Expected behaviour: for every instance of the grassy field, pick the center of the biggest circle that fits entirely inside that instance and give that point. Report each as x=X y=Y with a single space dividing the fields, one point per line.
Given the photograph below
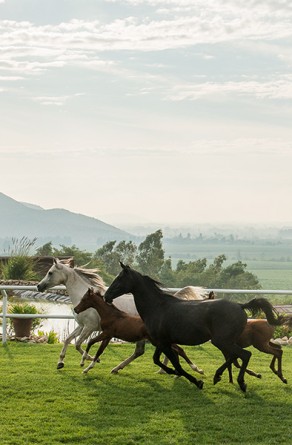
x=40 y=405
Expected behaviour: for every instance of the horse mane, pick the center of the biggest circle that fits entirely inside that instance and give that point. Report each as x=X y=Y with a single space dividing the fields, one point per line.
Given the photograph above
x=153 y=282
x=157 y=286
x=89 y=275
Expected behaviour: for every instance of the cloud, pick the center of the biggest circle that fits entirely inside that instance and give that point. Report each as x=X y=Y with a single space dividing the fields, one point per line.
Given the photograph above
x=264 y=147
x=205 y=22
x=278 y=88
x=256 y=27
x=90 y=44
x=55 y=100
x=10 y=78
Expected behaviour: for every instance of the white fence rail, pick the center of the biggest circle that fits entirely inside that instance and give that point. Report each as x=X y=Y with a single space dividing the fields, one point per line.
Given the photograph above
x=4 y=315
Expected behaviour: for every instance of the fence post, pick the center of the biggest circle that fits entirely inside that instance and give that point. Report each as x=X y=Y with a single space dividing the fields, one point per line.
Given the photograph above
x=4 y=319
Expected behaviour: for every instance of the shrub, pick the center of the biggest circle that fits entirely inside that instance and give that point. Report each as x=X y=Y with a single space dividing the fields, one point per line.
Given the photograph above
x=52 y=336
x=26 y=308
x=20 y=266
x=282 y=331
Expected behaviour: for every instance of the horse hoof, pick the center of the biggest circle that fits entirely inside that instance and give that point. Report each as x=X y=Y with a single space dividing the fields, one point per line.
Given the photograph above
x=216 y=379
x=81 y=364
x=200 y=384
x=259 y=376
x=285 y=381
x=114 y=371
x=60 y=365
x=243 y=387
x=198 y=370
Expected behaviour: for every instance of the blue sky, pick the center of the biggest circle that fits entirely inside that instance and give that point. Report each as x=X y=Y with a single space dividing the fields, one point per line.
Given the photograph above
x=160 y=111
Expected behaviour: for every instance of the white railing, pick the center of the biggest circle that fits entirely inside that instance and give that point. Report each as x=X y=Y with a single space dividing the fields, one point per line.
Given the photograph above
x=4 y=315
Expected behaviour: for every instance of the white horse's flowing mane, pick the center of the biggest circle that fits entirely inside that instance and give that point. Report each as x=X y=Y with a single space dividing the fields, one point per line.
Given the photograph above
x=89 y=275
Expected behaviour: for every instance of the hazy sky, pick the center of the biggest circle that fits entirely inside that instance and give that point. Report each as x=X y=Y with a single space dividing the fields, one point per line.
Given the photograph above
x=164 y=110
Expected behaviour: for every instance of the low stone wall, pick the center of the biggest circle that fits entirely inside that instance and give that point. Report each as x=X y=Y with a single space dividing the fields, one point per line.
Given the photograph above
x=31 y=339
x=285 y=341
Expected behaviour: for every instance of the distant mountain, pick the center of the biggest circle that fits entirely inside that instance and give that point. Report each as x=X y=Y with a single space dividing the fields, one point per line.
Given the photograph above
x=57 y=225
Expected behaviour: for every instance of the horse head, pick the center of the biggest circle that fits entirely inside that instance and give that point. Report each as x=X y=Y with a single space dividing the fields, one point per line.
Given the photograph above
x=56 y=275
x=122 y=284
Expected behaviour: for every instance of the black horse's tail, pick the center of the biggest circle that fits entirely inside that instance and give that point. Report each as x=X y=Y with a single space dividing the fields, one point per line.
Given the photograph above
x=257 y=305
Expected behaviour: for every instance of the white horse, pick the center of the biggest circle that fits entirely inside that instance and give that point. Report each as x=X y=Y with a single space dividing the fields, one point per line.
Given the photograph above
x=77 y=281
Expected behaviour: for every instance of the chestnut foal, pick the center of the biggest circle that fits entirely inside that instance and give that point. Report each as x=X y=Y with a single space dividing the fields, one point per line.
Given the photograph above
x=118 y=324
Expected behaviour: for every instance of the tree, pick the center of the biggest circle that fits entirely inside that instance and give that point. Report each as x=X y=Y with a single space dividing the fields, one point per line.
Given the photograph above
x=215 y=276
x=190 y=273
x=211 y=277
x=167 y=275
x=81 y=257
x=126 y=252
x=45 y=250
x=235 y=276
x=150 y=256
x=111 y=255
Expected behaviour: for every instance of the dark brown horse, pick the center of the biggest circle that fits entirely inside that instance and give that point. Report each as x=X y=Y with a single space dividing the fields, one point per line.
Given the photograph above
x=259 y=333
x=118 y=324
x=169 y=320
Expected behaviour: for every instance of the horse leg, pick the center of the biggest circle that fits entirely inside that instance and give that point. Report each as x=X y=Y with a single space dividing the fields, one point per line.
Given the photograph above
x=91 y=342
x=67 y=341
x=105 y=341
x=182 y=354
x=82 y=337
x=248 y=371
x=277 y=354
x=233 y=352
x=139 y=350
x=165 y=361
x=156 y=360
x=173 y=357
x=229 y=367
x=276 y=351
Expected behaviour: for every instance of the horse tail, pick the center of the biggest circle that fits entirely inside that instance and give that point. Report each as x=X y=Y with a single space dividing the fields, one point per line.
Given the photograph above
x=257 y=305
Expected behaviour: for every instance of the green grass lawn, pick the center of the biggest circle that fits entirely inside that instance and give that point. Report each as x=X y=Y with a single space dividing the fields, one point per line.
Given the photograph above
x=41 y=405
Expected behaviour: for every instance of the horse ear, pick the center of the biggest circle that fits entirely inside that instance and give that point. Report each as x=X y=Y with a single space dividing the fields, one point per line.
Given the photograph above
x=57 y=263
x=122 y=265
x=211 y=295
x=71 y=262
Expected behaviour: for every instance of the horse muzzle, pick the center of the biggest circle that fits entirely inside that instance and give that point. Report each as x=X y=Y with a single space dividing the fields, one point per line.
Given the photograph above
x=41 y=288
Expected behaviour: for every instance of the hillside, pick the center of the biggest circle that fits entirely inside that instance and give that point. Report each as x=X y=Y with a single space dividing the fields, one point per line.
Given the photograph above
x=57 y=225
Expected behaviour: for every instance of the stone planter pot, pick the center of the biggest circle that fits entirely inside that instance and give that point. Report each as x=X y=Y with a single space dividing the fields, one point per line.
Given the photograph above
x=22 y=326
